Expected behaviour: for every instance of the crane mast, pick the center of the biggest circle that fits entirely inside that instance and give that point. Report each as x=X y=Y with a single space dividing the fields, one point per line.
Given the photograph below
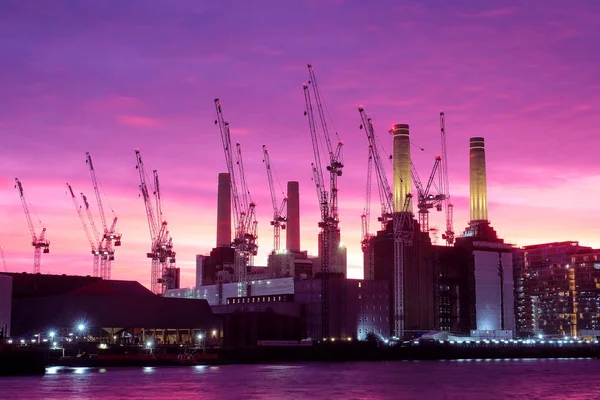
x=244 y=217
x=110 y=237
x=104 y=253
x=279 y=218
x=402 y=223
x=366 y=215
x=386 y=195
x=161 y=250
x=40 y=243
x=328 y=199
x=92 y=241
x=448 y=235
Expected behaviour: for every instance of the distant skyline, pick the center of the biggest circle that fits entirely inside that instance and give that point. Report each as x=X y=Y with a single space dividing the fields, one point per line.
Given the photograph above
x=113 y=76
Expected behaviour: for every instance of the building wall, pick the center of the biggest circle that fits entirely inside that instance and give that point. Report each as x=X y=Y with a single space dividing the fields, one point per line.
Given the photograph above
x=219 y=293
x=559 y=289
x=420 y=282
x=356 y=308
x=488 y=301
x=539 y=278
x=455 y=267
x=5 y=302
x=200 y=265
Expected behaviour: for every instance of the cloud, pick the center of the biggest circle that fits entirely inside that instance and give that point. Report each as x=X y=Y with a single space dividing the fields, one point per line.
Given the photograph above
x=138 y=121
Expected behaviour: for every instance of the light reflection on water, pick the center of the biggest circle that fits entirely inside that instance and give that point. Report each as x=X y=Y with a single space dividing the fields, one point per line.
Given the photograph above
x=459 y=379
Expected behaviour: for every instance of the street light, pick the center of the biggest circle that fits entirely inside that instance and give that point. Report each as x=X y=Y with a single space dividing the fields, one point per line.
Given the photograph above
x=200 y=336
x=81 y=327
x=51 y=334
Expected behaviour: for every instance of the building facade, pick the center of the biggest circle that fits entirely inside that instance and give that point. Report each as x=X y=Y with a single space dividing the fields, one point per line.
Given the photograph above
x=558 y=289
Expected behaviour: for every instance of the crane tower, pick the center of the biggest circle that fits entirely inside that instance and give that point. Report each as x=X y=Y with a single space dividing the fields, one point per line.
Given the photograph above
x=402 y=222
x=279 y=210
x=329 y=236
x=163 y=273
x=448 y=235
x=40 y=243
x=244 y=217
x=110 y=237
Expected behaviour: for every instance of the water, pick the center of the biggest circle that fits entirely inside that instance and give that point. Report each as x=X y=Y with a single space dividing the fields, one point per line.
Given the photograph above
x=461 y=379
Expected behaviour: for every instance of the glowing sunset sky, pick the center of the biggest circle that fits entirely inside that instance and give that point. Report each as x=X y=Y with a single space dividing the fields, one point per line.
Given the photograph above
x=111 y=76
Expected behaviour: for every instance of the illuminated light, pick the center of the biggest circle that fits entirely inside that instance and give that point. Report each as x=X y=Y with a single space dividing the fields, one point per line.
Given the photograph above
x=44 y=340
x=333 y=339
x=36 y=335
x=200 y=336
x=33 y=340
x=54 y=344
x=214 y=332
x=10 y=341
x=148 y=344
x=81 y=327
x=349 y=339
x=51 y=334
x=540 y=336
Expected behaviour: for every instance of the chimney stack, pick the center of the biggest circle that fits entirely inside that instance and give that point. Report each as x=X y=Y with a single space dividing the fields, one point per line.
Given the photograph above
x=402 y=177
x=478 y=184
x=292 y=241
x=224 y=211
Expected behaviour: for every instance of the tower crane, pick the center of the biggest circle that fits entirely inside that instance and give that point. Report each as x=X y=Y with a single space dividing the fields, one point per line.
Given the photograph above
x=402 y=223
x=328 y=199
x=366 y=215
x=3 y=259
x=244 y=217
x=92 y=241
x=426 y=200
x=40 y=243
x=448 y=235
x=386 y=195
x=279 y=211
x=110 y=236
x=105 y=254
x=162 y=273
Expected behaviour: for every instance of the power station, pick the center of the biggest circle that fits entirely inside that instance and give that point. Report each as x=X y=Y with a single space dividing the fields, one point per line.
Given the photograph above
x=474 y=284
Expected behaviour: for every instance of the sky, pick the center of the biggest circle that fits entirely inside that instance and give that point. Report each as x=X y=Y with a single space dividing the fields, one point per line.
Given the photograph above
x=114 y=76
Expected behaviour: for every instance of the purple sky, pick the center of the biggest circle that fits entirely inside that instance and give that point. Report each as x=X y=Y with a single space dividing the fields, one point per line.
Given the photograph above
x=112 y=76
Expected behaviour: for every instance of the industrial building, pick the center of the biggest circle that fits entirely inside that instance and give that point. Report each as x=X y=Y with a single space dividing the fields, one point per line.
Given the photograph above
x=107 y=310
x=558 y=289
x=493 y=264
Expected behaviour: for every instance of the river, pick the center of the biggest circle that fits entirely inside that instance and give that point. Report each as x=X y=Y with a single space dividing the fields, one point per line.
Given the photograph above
x=459 y=379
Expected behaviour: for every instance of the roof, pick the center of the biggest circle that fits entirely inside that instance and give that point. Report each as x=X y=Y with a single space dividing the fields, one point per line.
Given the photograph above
x=102 y=304
x=29 y=285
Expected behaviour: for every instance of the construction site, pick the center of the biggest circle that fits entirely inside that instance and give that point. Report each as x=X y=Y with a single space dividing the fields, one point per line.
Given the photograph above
x=473 y=285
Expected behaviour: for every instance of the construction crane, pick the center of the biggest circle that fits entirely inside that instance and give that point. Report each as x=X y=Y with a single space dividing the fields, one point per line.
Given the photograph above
x=92 y=241
x=427 y=200
x=40 y=243
x=402 y=223
x=105 y=254
x=279 y=210
x=386 y=195
x=162 y=273
x=328 y=199
x=110 y=236
x=3 y=259
x=448 y=235
x=366 y=215
x=244 y=217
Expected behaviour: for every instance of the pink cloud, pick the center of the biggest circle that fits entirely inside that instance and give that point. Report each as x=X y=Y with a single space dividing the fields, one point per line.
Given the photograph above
x=138 y=121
